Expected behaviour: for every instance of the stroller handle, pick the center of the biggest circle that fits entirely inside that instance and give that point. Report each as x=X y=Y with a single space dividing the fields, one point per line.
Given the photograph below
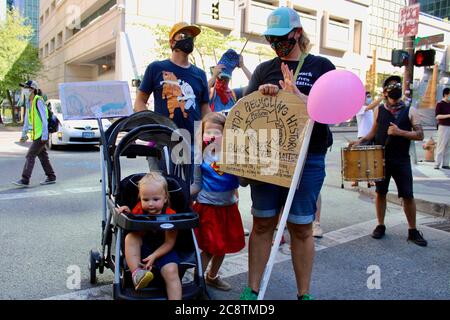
x=161 y=222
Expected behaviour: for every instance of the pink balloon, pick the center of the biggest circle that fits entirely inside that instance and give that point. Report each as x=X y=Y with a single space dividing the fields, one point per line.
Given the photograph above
x=335 y=97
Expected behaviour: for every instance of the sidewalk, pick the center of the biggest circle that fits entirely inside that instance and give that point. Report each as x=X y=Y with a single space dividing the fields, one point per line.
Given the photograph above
x=431 y=186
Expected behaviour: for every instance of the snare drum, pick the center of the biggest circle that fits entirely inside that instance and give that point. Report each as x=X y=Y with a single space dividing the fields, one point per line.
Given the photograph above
x=363 y=163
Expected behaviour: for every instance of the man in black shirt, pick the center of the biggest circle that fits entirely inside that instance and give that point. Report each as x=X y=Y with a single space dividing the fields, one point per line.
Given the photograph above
x=291 y=44
x=395 y=125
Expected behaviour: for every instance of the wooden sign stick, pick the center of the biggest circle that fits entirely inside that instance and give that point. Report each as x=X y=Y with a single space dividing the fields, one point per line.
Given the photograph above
x=287 y=207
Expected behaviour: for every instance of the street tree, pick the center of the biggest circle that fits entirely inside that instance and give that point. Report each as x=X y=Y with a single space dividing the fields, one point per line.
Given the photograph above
x=19 y=60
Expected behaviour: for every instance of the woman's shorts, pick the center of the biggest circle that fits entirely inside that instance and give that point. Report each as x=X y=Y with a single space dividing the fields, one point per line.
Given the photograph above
x=268 y=199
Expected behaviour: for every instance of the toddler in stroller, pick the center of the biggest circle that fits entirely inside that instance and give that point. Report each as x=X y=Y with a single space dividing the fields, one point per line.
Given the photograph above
x=156 y=246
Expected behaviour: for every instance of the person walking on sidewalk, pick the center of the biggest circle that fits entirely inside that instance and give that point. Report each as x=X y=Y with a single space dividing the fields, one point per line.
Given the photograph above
x=37 y=119
x=293 y=70
x=443 y=118
x=395 y=125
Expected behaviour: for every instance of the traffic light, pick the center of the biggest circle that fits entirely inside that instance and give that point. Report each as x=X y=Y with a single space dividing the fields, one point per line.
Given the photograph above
x=424 y=58
x=399 y=58
x=215 y=10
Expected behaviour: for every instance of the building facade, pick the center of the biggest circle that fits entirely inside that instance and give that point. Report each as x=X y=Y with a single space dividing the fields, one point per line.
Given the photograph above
x=3 y=8
x=437 y=8
x=29 y=9
x=96 y=40
x=111 y=40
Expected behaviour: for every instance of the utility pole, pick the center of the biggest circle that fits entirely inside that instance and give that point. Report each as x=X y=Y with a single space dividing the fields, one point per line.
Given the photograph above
x=408 y=45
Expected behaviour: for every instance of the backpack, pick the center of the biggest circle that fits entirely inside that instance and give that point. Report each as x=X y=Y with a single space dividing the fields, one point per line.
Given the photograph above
x=52 y=121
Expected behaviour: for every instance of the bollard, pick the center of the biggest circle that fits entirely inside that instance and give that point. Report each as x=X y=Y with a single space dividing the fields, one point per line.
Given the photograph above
x=429 y=148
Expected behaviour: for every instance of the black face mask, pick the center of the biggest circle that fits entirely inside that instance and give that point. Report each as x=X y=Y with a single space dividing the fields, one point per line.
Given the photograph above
x=185 y=45
x=284 y=47
x=395 y=93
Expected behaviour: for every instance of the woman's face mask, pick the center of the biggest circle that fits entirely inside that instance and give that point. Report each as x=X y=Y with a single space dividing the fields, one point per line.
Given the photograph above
x=282 y=45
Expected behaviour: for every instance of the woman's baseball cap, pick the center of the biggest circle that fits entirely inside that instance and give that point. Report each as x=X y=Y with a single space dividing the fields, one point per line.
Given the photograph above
x=183 y=26
x=282 y=21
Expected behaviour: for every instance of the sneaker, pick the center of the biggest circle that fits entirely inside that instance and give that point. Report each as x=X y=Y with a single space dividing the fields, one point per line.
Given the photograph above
x=48 y=181
x=217 y=283
x=141 y=278
x=248 y=294
x=21 y=183
x=379 y=231
x=436 y=167
x=317 y=230
x=305 y=297
x=445 y=167
x=416 y=236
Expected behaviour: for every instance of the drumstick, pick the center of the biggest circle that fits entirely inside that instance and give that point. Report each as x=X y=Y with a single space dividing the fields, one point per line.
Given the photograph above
x=245 y=44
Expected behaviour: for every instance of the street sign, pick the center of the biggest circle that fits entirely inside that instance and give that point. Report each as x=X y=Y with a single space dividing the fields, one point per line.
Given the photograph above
x=425 y=41
x=409 y=21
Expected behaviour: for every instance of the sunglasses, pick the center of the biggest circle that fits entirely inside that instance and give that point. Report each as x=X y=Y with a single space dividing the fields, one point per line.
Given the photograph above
x=272 y=39
x=183 y=36
x=393 y=86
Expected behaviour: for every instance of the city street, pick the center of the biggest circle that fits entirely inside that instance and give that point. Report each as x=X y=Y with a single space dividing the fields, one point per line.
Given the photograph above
x=48 y=230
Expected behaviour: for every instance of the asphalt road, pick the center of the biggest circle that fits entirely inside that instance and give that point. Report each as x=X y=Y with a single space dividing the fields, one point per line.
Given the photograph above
x=46 y=230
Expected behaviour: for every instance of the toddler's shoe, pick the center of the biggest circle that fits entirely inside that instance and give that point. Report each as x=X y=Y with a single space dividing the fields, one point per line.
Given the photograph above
x=141 y=278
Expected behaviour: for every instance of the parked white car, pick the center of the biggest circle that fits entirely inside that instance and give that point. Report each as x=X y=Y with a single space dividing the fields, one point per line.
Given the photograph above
x=72 y=132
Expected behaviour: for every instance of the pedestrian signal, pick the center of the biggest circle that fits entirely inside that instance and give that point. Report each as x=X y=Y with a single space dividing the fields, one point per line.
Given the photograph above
x=215 y=10
x=399 y=58
x=424 y=58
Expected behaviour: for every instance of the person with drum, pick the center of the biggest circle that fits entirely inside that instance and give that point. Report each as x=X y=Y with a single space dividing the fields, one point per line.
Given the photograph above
x=295 y=71
x=395 y=125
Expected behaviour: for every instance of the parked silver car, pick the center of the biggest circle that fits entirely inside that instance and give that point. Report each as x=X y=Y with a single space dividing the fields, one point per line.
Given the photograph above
x=74 y=131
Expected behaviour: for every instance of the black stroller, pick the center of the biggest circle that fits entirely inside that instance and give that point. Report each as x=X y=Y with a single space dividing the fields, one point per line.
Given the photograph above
x=135 y=132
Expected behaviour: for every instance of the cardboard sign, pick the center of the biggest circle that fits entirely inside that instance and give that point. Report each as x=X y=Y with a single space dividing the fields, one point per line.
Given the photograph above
x=409 y=21
x=263 y=136
x=95 y=100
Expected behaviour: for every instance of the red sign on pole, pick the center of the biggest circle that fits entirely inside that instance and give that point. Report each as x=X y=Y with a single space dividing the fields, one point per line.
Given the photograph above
x=409 y=21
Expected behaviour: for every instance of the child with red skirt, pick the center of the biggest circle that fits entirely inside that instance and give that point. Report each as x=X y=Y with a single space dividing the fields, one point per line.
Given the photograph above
x=220 y=228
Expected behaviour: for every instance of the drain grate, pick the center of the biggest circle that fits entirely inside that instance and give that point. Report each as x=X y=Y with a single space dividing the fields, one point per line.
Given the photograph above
x=444 y=226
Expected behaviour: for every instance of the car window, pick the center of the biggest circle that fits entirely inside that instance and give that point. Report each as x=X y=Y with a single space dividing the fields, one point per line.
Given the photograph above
x=57 y=107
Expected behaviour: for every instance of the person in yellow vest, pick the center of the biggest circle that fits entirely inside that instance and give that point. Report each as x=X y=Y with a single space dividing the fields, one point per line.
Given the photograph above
x=38 y=130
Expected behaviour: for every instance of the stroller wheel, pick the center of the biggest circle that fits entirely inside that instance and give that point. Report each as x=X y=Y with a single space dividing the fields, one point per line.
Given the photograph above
x=94 y=258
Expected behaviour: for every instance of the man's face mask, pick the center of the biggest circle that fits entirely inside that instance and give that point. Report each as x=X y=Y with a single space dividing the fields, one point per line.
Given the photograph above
x=185 y=43
x=394 y=91
x=282 y=45
x=27 y=93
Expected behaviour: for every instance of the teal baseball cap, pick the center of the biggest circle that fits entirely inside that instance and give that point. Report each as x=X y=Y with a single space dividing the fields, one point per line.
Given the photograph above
x=282 y=21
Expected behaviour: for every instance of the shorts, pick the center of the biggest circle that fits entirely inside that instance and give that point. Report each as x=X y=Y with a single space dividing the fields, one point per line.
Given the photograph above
x=400 y=170
x=169 y=257
x=268 y=199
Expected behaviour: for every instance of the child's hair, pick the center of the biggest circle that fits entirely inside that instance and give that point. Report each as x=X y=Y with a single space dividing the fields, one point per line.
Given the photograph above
x=154 y=177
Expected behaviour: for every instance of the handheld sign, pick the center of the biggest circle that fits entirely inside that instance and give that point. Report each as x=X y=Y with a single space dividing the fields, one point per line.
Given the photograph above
x=263 y=136
x=95 y=100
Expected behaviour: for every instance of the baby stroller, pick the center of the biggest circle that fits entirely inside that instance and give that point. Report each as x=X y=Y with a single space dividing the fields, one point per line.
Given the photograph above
x=147 y=135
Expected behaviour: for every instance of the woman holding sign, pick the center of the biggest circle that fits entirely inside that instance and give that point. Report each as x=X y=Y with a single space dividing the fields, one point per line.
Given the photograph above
x=291 y=44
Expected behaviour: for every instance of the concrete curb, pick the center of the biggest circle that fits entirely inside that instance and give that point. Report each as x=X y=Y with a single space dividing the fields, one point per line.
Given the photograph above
x=432 y=208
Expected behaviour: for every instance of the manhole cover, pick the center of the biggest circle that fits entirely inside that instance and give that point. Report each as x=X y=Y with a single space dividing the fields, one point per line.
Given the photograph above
x=444 y=226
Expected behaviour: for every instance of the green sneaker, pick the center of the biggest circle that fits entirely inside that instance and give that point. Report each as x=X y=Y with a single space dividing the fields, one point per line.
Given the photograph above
x=248 y=294
x=305 y=297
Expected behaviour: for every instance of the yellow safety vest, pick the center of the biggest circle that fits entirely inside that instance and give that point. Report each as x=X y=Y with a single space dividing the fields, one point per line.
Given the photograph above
x=35 y=120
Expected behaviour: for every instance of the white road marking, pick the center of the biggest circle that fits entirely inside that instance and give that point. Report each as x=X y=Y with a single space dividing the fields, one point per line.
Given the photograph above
x=47 y=193
x=238 y=263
